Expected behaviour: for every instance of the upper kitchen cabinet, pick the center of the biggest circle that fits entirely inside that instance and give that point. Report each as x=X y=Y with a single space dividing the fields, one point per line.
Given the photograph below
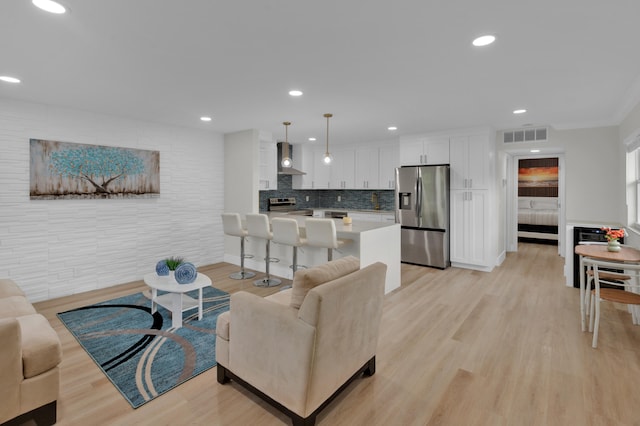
x=268 y=165
x=424 y=150
x=366 y=167
x=321 y=171
x=388 y=162
x=470 y=161
x=304 y=162
x=342 y=168
x=309 y=160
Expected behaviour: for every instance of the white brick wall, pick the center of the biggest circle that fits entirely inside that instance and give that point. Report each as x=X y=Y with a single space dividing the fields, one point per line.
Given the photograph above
x=59 y=247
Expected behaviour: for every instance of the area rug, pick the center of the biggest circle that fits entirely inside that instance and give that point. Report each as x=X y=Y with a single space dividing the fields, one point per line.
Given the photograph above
x=140 y=352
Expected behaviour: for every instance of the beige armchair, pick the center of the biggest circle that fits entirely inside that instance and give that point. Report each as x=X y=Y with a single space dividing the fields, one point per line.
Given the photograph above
x=30 y=354
x=298 y=348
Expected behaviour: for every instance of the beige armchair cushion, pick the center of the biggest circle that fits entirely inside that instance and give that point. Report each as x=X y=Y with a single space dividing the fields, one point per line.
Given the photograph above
x=41 y=350
x=15 y=306
x=9 y=288
x=306 y=279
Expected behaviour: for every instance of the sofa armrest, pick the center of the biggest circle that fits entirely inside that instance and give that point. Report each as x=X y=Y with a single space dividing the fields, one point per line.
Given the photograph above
x=270 y=348
x=10 y=368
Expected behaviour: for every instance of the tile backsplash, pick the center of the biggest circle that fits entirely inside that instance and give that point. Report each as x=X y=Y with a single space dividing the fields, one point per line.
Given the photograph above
x=352 y=199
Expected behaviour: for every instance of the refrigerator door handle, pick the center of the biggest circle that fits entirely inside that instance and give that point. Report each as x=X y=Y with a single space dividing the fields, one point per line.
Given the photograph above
x=419 y=200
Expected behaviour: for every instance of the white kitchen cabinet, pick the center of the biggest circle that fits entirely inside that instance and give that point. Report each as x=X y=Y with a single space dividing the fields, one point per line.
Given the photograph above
x=321 y=171
x=309 y=160
x=387 y=217
x=470 y=162
x=304 y=162
x=469 y=228
x=424 y=150
x=342 y=168
x=364 y=217
x=388 y=161
x=366 y=167
x=372 y=217
x=268 y=165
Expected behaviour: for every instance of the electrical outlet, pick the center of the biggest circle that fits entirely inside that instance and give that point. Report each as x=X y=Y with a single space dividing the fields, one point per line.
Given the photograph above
x=306 y=198
x=339 y=198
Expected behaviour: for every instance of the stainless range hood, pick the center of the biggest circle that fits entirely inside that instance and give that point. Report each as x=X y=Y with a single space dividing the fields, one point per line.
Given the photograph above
x=286 y=170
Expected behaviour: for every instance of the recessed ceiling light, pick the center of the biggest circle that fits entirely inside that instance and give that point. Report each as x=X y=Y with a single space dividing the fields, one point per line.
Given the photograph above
x=295 y=92
x=534 y=151
x=205 y=118
x=50 y=6
x=312 y=139
x=484 y=40
x=8 y=79
x=392 y=128
x=519 y=111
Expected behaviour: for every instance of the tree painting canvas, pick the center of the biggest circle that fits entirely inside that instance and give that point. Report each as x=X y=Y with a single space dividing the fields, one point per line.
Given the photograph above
x=74 y=171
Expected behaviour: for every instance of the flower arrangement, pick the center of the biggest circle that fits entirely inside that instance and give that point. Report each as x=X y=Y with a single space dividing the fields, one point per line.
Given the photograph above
x=613 y=234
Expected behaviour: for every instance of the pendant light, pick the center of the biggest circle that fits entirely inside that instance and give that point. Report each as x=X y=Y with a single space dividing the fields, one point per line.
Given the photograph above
x=327 y=157
x=286 y=160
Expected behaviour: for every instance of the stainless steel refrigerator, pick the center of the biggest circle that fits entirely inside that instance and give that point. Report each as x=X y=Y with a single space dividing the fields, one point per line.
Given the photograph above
x=422 y=208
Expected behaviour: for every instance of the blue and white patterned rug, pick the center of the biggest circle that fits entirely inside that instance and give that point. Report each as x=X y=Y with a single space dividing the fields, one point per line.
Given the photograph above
x=140 y=352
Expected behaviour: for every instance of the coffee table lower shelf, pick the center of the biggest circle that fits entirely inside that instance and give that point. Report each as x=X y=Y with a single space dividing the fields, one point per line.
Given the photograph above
x=175 y=300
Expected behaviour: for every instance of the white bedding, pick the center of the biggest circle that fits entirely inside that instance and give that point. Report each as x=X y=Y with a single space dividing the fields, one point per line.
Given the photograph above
x=538 y=217
x=538 y=211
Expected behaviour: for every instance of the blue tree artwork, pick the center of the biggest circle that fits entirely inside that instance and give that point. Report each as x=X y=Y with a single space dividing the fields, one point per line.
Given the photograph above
x=66 y=170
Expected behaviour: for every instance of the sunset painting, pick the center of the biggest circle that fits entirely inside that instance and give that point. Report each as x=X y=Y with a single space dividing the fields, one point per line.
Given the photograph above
x=538 y=177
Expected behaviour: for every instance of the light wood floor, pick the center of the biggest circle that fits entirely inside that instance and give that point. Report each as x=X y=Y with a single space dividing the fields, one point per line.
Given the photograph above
x=457 y=347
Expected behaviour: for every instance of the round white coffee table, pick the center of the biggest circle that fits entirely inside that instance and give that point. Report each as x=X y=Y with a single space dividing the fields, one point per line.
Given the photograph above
x=175 y=300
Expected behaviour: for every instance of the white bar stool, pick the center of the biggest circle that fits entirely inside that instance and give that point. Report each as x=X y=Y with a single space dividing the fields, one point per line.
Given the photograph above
x=286 y=231
x=322 y=233
x=258 y=227
x=232 y=225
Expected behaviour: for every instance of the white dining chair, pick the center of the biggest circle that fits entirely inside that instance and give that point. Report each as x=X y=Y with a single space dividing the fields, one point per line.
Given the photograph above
x=604 y=275
x=626 y=292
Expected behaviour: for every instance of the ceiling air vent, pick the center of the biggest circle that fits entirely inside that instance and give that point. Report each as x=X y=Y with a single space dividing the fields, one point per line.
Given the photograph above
x=526 y=135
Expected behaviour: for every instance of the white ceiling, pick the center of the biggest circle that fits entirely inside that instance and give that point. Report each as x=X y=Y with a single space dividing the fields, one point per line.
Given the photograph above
x=409 y=63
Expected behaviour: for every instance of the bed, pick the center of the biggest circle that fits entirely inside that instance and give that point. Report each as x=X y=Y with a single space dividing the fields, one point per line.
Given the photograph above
x=538 y=219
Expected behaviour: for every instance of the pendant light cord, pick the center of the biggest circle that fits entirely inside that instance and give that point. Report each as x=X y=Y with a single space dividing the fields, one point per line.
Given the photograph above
x=327 y=145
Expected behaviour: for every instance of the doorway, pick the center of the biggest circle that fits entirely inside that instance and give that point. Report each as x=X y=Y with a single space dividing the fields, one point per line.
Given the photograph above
x=535 y=188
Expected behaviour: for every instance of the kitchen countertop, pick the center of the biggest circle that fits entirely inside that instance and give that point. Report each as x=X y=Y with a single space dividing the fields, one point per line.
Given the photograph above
x=356 y=227
x=340 y=209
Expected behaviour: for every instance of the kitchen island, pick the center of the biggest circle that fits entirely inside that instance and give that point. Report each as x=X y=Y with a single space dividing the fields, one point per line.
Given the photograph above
x=371 y=242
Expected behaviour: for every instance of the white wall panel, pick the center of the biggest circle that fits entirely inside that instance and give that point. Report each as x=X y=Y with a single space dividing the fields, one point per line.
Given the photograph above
x=53 y=248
